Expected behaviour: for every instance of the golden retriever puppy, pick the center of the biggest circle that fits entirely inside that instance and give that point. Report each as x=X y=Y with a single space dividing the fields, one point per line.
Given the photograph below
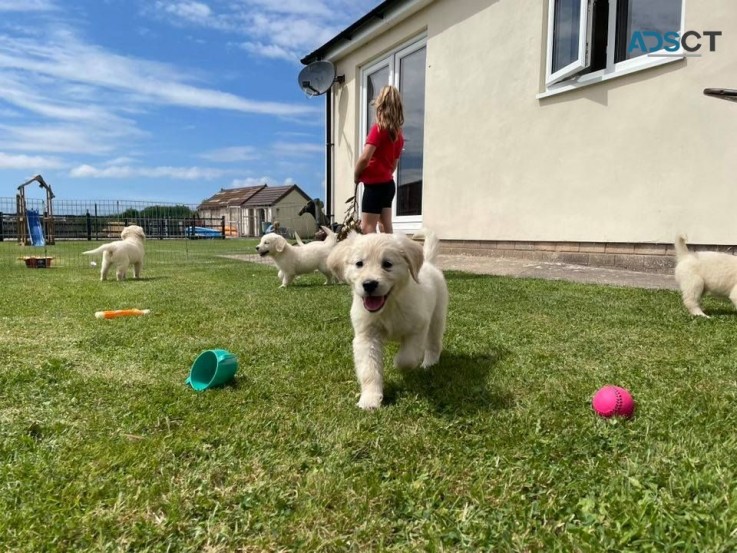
x=123 y=253
x=399 y=295
x=298 y=260
x=701 y=272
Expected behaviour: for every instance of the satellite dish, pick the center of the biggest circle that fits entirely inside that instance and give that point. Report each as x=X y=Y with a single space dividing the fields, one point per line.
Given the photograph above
x=317 y=78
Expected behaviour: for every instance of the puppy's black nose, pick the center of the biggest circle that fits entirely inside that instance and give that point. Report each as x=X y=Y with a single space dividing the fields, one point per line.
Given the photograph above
x=256 y=248
x=370 y=285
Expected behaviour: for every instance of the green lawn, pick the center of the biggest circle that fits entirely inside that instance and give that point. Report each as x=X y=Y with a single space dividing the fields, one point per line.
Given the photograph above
x=103 y=446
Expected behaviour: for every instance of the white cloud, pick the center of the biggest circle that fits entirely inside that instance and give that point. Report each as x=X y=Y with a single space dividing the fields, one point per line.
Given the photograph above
x=26 y=5
x=128 y=172
x=63 y=138
x=191 y=11
x=63 y=57
x=313 y=8
x=271 y=51
x=251 y=181
x=231 y=155
x=35 y=163
x=288 y=29
x=298 y=149
x=122 y=160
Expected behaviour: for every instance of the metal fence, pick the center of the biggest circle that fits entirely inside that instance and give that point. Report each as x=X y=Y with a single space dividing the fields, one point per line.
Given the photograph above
x=73 y=223
x=73 y=220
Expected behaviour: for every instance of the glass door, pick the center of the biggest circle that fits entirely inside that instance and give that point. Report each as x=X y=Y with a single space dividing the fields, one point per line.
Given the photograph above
x=405 y=69
x=411 y=84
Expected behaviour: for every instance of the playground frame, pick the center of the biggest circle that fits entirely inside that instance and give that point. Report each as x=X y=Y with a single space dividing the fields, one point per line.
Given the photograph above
x=25 y=237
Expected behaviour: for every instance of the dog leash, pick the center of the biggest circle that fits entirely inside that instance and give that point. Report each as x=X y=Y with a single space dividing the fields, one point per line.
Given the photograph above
x=351 y=220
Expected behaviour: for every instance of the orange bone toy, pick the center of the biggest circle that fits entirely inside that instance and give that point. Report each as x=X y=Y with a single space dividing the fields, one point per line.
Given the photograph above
x=121 y=313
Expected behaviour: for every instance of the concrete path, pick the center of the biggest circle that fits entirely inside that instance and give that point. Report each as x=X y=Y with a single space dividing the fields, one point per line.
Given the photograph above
x=524 y=268
x=554 y=271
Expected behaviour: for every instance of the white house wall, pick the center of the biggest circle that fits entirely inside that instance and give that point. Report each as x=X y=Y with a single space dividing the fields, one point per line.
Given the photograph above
x=631 y=159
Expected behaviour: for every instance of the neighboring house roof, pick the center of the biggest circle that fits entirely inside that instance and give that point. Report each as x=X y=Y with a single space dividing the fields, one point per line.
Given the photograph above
x=384 y=12
x=230 y=197
x=271 y=195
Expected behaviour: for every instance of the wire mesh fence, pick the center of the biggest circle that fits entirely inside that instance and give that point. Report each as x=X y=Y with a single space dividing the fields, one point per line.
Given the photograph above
x=174 y=232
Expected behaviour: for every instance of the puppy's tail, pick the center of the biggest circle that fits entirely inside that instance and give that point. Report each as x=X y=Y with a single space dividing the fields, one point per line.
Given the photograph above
x=298 y=239
x=101 y=250
x=431 y=247
x=331 y=238
x=681 y=248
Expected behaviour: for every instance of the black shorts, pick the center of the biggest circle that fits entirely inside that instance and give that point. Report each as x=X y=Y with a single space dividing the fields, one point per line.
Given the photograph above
x=377 y=196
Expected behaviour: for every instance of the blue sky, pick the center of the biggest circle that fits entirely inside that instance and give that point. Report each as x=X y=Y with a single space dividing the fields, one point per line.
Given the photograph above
x=162 y=100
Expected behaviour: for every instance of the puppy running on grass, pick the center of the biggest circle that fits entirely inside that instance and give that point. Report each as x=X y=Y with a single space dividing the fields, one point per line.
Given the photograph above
x=701 y=272
x=123 y=253
x=399 y=295
x=298 y=260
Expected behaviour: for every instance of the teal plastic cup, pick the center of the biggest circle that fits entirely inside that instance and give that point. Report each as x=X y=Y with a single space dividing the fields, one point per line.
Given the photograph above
x=212 y=368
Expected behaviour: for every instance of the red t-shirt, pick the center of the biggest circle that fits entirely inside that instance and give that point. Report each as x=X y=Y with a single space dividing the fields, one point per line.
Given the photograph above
x=381 y=165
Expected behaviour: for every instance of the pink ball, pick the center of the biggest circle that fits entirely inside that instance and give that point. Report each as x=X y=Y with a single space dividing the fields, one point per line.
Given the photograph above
x=611 y=401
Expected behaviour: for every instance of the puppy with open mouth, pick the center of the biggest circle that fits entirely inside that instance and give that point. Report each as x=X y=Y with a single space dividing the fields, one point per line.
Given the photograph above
x=398 y=295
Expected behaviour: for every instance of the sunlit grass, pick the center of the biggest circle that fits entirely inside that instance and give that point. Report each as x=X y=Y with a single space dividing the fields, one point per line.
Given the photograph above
x=103 y=446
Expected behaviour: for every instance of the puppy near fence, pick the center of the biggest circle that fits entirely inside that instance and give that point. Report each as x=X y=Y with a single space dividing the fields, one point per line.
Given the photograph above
x=125 y=252
x=398 y=295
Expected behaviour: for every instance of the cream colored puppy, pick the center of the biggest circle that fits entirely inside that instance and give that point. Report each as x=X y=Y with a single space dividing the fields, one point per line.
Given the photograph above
x=701 y=272
x=298 y=260
x=123 y=253
x=399 y=295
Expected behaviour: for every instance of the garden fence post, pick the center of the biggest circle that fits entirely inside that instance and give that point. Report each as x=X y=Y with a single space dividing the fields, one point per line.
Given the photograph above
x=89 y=226
x=2 y=230
x=222 y=225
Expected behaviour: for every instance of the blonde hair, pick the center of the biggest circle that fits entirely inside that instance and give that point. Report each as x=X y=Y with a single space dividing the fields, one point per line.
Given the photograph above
x=389 y=111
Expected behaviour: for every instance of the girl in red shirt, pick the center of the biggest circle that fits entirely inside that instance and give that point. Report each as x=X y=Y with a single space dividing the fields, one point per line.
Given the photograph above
x=377 y=163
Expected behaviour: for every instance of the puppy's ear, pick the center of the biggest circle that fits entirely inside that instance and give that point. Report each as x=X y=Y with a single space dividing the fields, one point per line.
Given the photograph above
x=281 y=243
x=338 y=257
x=412 y=253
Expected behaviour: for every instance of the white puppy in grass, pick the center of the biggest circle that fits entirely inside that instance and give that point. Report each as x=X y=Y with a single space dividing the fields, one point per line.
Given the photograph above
x=398 y=295
x=701 y=272
x=298 y=260
x=123 y=253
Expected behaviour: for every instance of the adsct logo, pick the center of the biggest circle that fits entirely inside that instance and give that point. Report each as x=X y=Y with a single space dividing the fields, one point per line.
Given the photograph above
x=653 y=43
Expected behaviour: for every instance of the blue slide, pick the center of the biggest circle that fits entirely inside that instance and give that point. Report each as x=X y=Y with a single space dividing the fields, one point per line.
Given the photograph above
x=35 y=230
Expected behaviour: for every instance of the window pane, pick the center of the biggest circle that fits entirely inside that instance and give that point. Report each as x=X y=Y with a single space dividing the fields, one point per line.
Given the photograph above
x=566 y=29
x=638 y=16
x=409 y=174
x=374 y=83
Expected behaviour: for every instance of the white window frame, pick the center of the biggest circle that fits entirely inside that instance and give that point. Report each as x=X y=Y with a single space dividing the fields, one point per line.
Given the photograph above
x=584 y=39
x=612 y=70
x=404 y=223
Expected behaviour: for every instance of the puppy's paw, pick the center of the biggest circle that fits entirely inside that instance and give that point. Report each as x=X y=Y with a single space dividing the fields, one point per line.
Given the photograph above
x=370 y=401
x=405 y=362
x=430 y=360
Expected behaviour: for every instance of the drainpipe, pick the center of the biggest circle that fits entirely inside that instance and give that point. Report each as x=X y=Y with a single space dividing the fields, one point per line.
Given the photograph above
x=329 y=154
